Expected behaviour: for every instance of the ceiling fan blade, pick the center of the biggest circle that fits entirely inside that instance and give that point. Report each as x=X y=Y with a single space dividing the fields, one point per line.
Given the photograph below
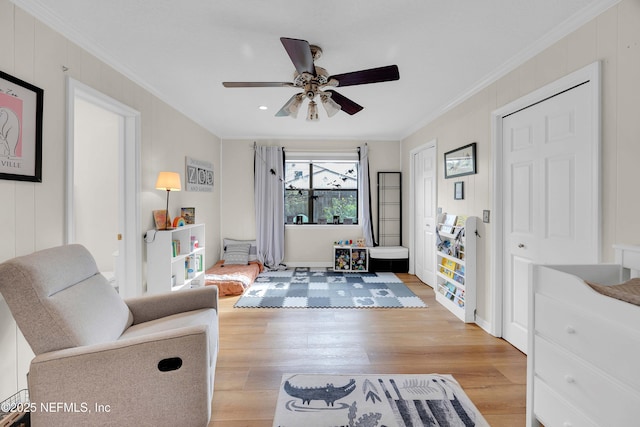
x=347 y=105
x=373 y=75
x=300 y=53
x=257 y=84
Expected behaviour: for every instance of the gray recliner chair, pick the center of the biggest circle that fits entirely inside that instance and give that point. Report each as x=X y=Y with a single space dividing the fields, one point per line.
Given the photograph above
x=101 y=360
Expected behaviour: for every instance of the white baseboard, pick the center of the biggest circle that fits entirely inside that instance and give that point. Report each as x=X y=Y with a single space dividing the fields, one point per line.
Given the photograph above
x=307 y=264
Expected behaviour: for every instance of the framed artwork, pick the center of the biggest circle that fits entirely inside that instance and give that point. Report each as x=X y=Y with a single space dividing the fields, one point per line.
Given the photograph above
x=461 y=161
x=199 y=175
x=458 y=190
x=21 y=106
x=189 y=215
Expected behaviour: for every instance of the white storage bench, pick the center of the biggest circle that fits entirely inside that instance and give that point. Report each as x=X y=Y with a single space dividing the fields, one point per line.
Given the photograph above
x=389 y=258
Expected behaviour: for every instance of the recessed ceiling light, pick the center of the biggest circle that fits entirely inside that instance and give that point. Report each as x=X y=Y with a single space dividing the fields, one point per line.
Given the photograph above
x=262 y=107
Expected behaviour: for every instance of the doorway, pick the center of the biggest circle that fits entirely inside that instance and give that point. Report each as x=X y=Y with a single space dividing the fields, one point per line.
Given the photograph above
x=422 y=206
x=103 y=184
x=547 y=190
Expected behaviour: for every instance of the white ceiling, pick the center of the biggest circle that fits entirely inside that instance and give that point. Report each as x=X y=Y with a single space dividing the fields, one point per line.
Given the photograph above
x=183 y=50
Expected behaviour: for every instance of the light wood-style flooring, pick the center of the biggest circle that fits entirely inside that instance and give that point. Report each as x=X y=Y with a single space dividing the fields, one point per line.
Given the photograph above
x=257 y=346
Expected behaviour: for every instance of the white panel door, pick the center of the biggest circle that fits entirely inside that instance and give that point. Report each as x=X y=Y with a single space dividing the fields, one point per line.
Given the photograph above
x=424 y=166
x=548 y=160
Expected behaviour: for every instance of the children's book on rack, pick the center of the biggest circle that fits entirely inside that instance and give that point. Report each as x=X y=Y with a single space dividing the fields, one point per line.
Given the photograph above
x=448 y=268
x=448 y=223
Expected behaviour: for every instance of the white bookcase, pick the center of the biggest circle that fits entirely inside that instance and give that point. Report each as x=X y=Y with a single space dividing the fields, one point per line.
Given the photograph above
x=456 y=265
x=170 y=256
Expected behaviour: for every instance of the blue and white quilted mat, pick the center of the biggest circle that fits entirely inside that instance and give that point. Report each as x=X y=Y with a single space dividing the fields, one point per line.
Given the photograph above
x=325 y=288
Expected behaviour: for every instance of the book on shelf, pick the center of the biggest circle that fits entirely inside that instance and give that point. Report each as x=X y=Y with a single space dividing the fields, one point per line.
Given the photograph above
x=451 y=291
x=459 y=297
x=459 y=274
x=448 y=267
x=461 y=220
x=175 y=247
x=448 y=223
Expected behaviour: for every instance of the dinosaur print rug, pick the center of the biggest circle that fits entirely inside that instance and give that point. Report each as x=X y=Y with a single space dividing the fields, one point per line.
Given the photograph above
x=318 y=400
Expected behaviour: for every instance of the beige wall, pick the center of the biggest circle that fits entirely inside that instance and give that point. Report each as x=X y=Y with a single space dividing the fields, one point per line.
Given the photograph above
x=612 y=38
x=33 y=214
x=304 y=245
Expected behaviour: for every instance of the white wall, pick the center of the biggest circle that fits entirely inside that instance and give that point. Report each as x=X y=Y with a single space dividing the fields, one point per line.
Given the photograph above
x=304 y=245
x=612 y=38
x=33 y=214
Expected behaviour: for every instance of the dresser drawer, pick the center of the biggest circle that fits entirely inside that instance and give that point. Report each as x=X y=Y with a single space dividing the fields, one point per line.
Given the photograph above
x=596 y=394
x=552 y=410
x=595 y=339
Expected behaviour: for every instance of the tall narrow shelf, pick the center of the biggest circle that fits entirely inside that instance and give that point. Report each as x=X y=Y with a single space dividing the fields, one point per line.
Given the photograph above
x=170 y=255
x=456 y=265
x=390 y=208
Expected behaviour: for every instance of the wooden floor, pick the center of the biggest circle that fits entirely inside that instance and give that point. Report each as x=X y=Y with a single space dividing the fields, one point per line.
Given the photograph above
x=257 y=346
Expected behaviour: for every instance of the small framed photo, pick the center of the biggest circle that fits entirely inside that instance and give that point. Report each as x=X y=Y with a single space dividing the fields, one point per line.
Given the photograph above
x=322 y=220
x=347 y=221
x=458 y=190
x=21 y=105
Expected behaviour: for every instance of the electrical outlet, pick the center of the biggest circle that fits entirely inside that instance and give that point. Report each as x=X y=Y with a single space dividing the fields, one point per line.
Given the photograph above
x=485 y=216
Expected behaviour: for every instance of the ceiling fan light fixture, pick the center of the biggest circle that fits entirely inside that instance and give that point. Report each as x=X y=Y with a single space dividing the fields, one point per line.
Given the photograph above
x=312 y=113
x=331 y=106
x=293 y=105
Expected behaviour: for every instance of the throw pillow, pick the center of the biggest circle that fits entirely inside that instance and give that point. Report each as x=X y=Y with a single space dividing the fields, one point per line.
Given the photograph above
x=253 y=249
x=237 y=254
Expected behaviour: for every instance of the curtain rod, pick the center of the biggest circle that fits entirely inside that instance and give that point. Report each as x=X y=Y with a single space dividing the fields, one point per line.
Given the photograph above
x=322 y=150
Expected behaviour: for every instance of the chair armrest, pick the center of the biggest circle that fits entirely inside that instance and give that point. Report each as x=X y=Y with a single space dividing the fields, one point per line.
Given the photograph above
x=126 y=380
x=153 y=307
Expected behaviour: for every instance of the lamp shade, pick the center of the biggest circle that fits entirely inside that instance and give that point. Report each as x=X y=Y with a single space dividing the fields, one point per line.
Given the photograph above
x=169 y=181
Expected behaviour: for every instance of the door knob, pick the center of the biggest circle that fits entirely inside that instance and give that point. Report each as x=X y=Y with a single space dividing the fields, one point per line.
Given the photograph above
x=521 y=245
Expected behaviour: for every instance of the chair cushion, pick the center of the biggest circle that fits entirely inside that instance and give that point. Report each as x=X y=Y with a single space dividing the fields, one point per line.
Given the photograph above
x=60 y=300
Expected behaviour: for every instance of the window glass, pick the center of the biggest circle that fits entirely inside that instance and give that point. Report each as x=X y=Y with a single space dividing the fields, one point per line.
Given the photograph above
x=319 y=192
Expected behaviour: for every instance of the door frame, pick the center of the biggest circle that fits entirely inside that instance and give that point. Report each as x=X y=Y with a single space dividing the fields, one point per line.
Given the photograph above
x=592 y=73
x=129 y=184
x=412 y=217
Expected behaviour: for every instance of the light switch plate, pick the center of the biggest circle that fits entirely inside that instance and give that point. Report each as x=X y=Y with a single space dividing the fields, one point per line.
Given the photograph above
x=485 y=216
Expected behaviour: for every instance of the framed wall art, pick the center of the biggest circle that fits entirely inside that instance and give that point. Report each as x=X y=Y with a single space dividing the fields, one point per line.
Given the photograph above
x=461 y=161
x=21 y=105
x=458 y=190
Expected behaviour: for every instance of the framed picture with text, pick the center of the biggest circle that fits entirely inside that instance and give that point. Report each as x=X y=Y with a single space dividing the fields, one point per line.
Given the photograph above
x=21 y=105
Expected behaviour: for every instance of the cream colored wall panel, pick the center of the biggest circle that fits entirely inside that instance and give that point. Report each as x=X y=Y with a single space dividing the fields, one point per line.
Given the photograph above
x=582 y=46
x=507 y=88
x=627 y=225
x=7 y=36
x=24 y=46
x=25 y=233
x=608 y=54
x=551 y=64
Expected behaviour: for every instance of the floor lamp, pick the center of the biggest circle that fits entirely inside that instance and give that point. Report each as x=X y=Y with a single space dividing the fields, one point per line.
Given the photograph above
x=169 y=181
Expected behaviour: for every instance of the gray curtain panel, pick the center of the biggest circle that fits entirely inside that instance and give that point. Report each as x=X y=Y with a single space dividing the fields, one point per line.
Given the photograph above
x=269 y=201
x=365 y=195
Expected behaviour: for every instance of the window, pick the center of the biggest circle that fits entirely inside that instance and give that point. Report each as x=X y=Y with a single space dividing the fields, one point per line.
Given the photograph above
x=321 y=191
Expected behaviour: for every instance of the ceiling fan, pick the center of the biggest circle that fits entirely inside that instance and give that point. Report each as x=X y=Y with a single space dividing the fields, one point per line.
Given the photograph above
x=314 y=80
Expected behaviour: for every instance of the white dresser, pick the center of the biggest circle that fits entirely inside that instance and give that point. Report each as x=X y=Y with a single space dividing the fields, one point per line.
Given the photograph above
x=584 y=350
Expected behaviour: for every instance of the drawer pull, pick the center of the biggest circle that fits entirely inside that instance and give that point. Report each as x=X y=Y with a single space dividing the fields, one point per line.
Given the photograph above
x=570 y=329
x=569 y=379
